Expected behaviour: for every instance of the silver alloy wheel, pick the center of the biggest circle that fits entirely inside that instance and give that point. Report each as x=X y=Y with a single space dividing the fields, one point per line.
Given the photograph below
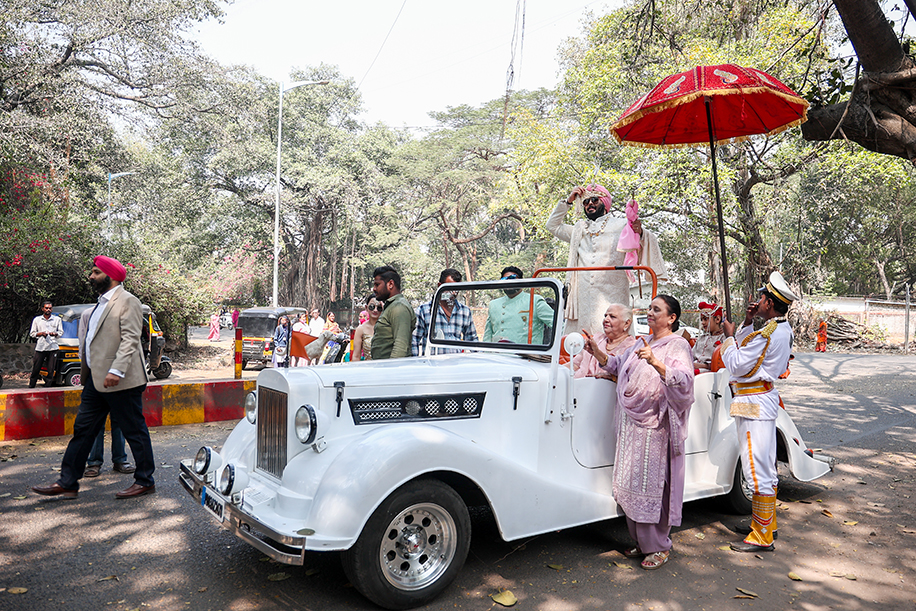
x=418 y=546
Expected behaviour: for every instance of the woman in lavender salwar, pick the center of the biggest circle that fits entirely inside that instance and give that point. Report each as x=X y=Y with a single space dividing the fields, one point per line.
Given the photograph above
x=654 y=395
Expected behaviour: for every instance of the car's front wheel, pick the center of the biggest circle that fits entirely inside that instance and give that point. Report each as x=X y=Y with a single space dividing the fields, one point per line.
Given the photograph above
x=412 y=547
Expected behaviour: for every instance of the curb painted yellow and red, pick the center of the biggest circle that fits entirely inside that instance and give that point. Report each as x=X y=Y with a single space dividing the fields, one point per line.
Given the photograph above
x=51 y=412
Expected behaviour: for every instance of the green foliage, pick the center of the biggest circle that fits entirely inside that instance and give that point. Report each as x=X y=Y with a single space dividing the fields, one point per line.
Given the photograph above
x=41 y=250
x=176 y=301
x=856 y=220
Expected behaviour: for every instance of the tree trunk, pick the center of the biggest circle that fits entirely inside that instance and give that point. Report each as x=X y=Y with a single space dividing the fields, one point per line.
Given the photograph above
x=881 y=113
x=332 y=278
x=888 y=290
x=872 y=36
x=757 y=263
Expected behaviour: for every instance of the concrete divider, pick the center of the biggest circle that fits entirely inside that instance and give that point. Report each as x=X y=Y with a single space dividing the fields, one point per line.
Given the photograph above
x=51 y=412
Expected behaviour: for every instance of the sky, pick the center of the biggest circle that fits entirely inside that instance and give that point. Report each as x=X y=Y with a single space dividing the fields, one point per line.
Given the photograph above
x=437 y=54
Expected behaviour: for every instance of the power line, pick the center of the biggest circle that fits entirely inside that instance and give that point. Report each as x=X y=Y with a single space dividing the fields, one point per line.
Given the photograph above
x=536 y=27
x=518 y=33
x=383 y=44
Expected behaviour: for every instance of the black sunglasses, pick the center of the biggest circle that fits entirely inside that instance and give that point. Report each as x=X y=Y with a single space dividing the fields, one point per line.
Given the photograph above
x=376 y=308
x=590 y=200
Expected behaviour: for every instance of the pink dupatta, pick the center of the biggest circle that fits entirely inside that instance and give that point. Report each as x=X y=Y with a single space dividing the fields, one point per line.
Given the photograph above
x=647 y=398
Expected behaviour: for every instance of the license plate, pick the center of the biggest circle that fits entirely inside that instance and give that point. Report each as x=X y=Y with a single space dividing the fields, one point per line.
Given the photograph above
x=212 y=503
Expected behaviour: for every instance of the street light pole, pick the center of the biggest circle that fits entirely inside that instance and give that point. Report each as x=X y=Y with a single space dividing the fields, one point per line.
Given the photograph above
x=277 y=202
x=110 y=176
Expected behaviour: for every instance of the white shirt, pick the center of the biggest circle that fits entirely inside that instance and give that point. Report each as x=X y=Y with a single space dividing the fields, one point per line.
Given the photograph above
x=52 y=324
x=93 y=326
x=301 y=327
x=316 y=326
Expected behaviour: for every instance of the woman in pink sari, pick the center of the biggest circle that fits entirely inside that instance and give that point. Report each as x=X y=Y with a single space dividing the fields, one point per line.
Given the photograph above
x=214 y=328
x=654 y=396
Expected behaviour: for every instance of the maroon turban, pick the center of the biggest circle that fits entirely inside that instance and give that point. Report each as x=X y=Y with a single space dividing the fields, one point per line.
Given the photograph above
x=112 y=268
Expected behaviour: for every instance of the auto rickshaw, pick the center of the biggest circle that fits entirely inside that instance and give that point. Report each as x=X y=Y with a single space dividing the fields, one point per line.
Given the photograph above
x=67 y=360
x=258 y=326
x=157 y=364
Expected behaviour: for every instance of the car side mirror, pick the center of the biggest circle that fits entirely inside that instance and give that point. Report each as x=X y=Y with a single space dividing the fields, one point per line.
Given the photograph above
x=574 y=343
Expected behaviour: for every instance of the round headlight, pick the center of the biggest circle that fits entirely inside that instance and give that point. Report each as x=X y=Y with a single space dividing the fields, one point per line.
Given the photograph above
x=306 y=424
x=202 y=460
x=226 y=478
x=233 y=479
x=207 y=461
x=251 y=407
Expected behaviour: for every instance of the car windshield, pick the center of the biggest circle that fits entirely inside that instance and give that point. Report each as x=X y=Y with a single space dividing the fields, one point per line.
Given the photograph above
x=256 y=326
x=520 y=315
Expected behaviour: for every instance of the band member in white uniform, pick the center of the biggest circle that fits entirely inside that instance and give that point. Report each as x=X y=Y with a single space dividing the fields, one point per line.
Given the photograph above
x=756 y=359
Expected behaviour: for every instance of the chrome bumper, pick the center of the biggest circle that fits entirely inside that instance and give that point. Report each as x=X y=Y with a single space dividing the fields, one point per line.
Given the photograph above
x=245 y=526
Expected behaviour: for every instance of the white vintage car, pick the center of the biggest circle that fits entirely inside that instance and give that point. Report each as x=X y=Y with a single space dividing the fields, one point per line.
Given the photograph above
x=381 y=460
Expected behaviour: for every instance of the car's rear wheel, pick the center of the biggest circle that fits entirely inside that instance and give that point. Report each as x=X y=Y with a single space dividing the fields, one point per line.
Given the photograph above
x=740 y=498
x=412 y=547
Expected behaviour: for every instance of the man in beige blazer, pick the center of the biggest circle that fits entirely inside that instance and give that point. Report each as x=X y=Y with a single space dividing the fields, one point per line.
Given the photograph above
x=114 y=378
x=118 y=446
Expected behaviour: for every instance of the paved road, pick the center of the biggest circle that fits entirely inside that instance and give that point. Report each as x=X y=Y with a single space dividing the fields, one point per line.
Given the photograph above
x=163 y=552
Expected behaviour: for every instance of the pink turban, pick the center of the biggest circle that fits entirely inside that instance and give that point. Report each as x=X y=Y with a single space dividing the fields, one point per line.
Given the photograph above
x=603 y=195
x=112 y=268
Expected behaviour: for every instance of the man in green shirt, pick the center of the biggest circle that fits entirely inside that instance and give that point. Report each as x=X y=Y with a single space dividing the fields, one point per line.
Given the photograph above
x=394 y=329
x=507 y=317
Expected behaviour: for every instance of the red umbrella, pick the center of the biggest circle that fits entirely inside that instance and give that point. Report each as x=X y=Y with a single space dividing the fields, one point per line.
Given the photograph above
x=711 y=105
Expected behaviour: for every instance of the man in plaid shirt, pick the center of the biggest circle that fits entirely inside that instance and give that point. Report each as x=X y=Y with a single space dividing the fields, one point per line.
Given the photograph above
x=453 y=320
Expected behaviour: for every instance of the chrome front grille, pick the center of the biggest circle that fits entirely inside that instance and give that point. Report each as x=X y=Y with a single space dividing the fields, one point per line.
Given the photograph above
x=417 y=408
x=272 y=427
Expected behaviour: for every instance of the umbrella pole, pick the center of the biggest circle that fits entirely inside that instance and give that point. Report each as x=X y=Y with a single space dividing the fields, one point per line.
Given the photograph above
x=715 y=182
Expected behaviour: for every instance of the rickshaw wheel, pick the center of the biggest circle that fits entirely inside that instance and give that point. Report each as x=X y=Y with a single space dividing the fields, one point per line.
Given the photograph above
x=244 y=364
x=163 y=371
x=73 y=379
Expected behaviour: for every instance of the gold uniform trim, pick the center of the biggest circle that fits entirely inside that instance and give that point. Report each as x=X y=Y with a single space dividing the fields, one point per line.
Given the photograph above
x=777 y=294
x=766 y=332
x=745 y=410
x=752 y=388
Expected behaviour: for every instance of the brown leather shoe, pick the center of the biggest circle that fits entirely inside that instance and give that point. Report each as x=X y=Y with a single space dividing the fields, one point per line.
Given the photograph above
x=124 y=467
x=92 y=471
x=135 y=490
x=55 y=489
